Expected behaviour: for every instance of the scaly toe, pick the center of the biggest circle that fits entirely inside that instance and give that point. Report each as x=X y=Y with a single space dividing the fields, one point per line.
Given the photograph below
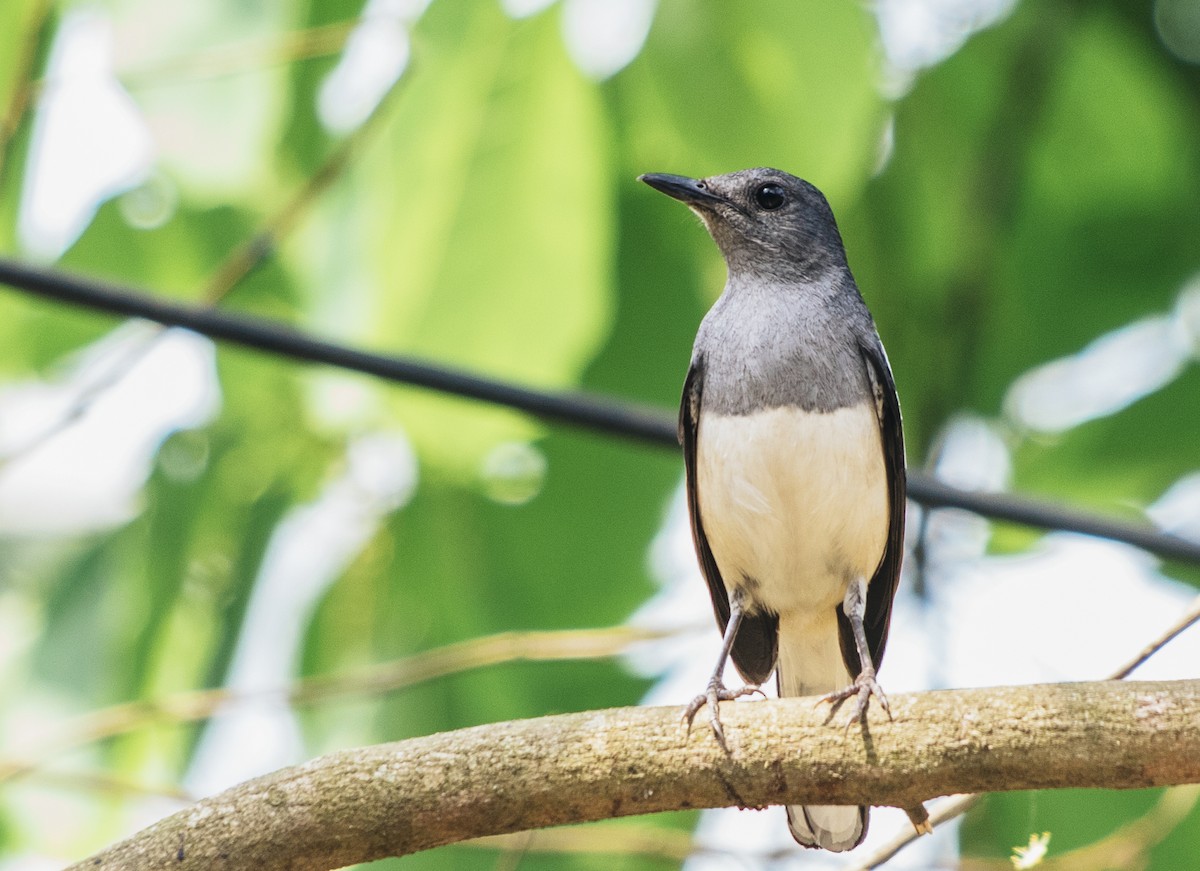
x=715 y=694
x=862 y=699
x=861 y=690
x=693 y=708
x=728 y=695
x=718 y=730
x=870 y=687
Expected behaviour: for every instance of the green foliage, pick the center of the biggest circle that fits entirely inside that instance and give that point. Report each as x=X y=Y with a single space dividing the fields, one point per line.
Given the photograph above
x=1039 y=191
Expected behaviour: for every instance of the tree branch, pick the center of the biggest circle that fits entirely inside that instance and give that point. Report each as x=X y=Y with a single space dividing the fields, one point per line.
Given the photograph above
x=393 y=799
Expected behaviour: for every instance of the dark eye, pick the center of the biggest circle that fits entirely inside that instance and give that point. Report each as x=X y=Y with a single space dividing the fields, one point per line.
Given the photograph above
x=770 y=196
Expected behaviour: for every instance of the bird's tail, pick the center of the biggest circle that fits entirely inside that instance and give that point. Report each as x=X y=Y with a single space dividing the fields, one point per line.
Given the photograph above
x=810 y=663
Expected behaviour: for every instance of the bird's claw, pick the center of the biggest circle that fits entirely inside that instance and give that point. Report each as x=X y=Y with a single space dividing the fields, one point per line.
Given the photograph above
x=715 y=693
x=864 y=686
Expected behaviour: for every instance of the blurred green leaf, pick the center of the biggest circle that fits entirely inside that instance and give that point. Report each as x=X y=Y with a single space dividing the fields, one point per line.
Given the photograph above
x=1074 y=818
x=485 y=218
x=790 y=85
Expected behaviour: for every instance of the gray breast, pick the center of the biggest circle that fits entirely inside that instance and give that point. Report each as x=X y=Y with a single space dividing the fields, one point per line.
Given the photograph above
x=769 y=346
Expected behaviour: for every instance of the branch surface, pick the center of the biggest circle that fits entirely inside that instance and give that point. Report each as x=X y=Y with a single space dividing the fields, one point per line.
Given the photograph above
x=393 y=799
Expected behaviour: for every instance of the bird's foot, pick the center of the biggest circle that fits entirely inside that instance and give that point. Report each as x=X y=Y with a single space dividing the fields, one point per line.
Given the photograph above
x=864 y=686
x=715 y=693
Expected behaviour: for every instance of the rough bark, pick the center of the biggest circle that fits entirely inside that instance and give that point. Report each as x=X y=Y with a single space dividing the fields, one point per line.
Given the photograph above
x=393 y=799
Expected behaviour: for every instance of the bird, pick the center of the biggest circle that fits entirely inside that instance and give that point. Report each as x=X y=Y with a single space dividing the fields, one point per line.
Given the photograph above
x=794 y=462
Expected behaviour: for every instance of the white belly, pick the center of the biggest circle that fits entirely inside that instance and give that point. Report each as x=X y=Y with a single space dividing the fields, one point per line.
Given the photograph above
x=794 y=503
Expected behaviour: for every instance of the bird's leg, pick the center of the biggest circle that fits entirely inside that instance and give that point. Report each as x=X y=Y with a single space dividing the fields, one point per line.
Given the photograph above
x=865 y=685
x=717 y=691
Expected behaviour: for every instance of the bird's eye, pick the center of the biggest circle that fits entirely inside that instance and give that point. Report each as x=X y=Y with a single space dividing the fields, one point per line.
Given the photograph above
x=770 y=196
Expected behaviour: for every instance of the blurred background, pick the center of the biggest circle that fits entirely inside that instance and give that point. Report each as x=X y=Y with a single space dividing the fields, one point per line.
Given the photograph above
x=215 y=562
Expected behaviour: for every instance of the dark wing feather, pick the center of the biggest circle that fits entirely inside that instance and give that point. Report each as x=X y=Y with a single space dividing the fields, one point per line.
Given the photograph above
x=882 y=588
x=756 y=645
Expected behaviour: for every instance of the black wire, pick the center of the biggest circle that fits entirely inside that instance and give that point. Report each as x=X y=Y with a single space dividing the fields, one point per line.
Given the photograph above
x=630 y=420
x=932 y=493
x=626 y=419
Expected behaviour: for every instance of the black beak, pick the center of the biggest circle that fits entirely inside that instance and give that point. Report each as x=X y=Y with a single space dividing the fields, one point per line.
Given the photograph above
x=686 y=190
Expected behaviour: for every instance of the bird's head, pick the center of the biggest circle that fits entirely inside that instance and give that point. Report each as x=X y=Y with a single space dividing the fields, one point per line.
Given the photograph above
x=763 y=220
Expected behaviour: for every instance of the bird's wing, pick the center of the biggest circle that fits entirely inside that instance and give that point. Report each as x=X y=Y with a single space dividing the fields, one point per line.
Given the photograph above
x=756 y=645
x=882 y=588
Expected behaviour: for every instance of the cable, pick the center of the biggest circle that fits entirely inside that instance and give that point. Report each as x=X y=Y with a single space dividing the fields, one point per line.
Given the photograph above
x=629 y=420
x=641 y=423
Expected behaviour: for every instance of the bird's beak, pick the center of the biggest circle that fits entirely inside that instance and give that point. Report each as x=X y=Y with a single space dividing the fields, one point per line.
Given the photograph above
x=686 y=190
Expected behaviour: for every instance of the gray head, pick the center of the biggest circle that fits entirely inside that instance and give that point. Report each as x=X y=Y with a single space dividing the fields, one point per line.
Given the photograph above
x=763 y=220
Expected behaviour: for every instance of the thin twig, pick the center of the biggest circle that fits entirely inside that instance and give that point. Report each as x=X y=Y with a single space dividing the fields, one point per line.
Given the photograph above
x=946 y=810
x=246 y=257
x=1188 y=618
x=24 y=86
x=963 y=803
x=113 y=785
x=632 y=838
x=510 y=858
x=245 y=56
x=137 y=347
x=504 y=647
